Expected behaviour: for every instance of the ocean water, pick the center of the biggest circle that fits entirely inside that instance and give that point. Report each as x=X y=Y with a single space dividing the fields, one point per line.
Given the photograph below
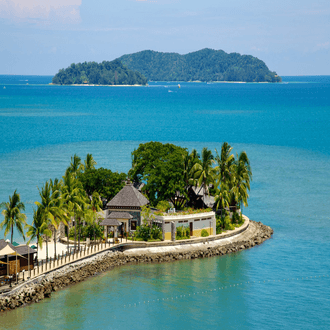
x=284 y=128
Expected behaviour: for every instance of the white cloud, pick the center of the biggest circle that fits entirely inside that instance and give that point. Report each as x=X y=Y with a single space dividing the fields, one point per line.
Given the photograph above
x=64 y=11
x=324 y=45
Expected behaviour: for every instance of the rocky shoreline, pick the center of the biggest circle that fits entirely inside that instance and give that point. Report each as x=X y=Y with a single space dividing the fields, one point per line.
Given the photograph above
x=43 y=286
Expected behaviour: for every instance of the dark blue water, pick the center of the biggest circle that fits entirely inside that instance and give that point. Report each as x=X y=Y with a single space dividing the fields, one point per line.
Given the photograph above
x=285 y=130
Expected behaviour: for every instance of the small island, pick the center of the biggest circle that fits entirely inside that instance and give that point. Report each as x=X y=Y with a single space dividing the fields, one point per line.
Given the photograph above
x=179 y=205
x=207 y=65
x=92 y=73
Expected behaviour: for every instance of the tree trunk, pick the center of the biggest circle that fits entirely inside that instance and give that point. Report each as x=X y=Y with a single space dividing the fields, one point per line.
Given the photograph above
x=75 y=233
x=37 y=247
x=54 y=243
x=68 y=237
x=12 y=234
x=46 y=248
x=79 y=238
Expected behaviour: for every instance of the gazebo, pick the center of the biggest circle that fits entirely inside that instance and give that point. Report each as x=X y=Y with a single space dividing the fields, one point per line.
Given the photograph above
x=17 y=258
x=112 y=220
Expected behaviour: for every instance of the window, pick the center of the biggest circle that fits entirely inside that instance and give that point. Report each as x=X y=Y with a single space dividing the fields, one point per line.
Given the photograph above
x=133 y=225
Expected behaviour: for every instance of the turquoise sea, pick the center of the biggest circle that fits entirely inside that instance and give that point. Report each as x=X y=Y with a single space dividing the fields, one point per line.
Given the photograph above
x=284 y=128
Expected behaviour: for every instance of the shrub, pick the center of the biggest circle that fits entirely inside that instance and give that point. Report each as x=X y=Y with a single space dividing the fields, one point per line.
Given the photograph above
x=218 y=230
x=182 y=232
x=87 y=231
x=146 y=233
x=163 y=206
x=187 y=232
x=227 y=223
x=156 y=233
x=179 y=232
x=204 y=233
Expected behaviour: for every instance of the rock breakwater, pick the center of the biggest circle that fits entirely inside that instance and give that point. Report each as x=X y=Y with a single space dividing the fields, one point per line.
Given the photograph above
x=43 y=286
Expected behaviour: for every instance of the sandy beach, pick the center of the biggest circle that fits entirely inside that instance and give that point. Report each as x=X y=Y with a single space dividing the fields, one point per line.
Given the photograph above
x=51 y=249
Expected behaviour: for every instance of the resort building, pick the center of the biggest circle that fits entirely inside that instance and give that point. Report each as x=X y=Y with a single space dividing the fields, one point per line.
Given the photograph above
x=126 y=206
x=196 y=222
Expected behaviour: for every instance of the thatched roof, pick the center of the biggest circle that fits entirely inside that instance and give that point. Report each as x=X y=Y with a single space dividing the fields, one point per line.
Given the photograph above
x=21 y=249
x=128 y=197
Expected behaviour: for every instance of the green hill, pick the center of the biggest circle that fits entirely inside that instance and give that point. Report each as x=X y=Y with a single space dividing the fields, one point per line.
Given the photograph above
x=203 y=65
x=105 y=73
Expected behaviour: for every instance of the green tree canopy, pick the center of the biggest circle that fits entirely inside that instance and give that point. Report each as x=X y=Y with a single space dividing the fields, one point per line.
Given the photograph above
x=103 y=181
x=105 y=73
x=203 y=65
x=161 y=168
x=13 y=215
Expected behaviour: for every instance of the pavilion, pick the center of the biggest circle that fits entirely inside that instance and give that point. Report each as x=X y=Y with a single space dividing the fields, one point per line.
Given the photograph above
x=14 y=259
x=126 y=206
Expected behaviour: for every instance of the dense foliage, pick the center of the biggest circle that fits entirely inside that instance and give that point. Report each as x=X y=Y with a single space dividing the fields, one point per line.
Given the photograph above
x=103 y=181
x=203 y=65
x=105 y=73
x=182 y=232
x=172 y=173
x=160 y=167
x=147 y=232
x=204 y=233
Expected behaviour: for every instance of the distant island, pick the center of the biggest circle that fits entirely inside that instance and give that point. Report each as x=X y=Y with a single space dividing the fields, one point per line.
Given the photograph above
x=203 y=65
x=105 y=73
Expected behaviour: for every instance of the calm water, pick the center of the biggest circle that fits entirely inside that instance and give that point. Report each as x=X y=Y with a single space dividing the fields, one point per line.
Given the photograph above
x=285 y=130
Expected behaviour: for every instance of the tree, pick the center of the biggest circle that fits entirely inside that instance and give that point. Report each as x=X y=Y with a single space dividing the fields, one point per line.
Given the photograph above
x=160 y=167
x=13 y=215
x=103 y=181
x=74 y=197
x=51 y=207
x=222 y=197
x=96 y=206
x=60 y=214
x=89 y=163
x=225 y=161
x=240 y=185
x=75 y=165
x=38 y=228
x=203 y=171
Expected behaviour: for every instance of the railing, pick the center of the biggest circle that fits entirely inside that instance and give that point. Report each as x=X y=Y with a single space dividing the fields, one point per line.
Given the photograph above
x=61 y=260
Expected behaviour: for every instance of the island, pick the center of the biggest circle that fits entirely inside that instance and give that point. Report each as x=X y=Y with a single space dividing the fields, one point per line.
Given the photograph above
x=173 y=205
x=92 y=73
x=207 y=65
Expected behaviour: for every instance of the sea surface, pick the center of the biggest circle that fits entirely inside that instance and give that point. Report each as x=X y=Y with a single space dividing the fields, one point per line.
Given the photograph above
x=285 y=130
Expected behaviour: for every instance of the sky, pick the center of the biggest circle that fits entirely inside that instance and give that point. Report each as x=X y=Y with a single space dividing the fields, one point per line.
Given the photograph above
x=39 y=37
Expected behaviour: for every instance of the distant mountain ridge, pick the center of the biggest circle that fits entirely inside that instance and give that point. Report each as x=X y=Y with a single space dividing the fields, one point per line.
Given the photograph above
x=203 y=65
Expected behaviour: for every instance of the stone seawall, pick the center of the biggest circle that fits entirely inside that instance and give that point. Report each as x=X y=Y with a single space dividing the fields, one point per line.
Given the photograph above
x=43 y=286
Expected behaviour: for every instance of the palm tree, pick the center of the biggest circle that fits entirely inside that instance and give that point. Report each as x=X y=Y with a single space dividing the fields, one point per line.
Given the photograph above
x=225 y=161
x=49 y=207
x=242 y=175
x=38 y=228
x=75 y=165
x=222 y=197
x=74 y=197
x=89 y=163
x=204 y=173
x=13 y=215
x=59 y=211
x=96 y=206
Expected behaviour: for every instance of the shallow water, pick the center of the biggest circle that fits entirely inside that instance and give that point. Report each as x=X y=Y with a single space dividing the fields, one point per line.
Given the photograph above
x=285 y=130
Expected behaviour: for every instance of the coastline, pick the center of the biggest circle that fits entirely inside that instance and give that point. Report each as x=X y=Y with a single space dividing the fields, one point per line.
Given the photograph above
x=42 y=286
